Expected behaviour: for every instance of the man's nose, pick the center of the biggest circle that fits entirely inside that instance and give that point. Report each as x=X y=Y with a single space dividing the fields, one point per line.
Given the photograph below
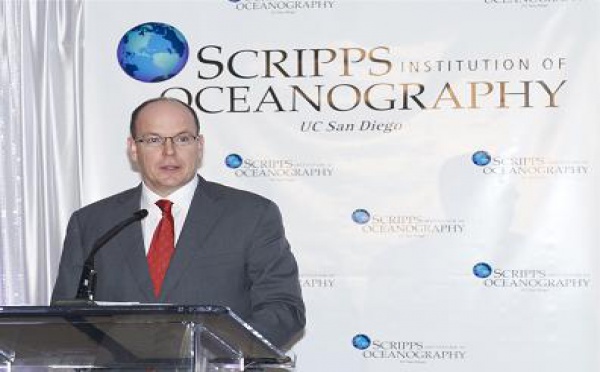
x=169 y=146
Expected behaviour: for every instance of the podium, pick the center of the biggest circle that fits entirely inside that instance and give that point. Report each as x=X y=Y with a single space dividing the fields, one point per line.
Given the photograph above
x=133 y=337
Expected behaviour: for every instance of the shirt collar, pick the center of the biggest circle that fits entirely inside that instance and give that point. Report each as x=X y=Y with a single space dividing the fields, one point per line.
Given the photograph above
x=180 y=197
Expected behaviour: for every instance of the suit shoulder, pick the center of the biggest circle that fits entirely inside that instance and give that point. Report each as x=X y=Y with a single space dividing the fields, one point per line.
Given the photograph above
x=110 y=202
x=232 y=194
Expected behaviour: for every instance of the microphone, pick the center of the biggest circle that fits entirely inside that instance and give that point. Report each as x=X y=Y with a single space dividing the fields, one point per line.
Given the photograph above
x=87 y=283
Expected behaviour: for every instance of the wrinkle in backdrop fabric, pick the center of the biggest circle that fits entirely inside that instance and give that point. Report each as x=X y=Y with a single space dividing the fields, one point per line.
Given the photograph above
x=40 y=146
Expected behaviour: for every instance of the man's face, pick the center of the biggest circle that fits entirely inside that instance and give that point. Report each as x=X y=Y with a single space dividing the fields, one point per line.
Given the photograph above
x=167 y=167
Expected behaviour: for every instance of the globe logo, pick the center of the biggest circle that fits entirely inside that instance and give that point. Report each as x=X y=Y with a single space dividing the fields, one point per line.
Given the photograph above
x=481 y=158
x=482 y=270
x=233 y=161
x=361 y=216
x=152 y=52
x=361 y=342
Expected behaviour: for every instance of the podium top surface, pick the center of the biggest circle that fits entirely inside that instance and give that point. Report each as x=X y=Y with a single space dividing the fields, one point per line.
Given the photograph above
x=165 y=312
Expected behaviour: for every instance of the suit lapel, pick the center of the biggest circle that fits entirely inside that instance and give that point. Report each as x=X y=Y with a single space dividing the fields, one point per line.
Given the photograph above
x=133 y=250
x=201 y=218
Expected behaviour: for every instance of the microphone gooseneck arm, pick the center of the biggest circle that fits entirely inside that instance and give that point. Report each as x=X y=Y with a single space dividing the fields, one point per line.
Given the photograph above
x=87 y=282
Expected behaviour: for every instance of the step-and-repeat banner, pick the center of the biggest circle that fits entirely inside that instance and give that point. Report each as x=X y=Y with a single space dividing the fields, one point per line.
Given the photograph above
x=435 y=162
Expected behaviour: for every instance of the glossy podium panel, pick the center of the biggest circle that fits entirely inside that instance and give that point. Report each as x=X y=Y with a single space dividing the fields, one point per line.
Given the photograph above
x=144 y=337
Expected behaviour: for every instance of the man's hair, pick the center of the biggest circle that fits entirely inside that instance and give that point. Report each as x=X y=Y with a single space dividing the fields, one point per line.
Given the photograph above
x=136 y=112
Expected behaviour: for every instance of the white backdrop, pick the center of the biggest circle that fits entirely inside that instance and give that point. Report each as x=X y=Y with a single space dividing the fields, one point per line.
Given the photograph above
x=462 y=237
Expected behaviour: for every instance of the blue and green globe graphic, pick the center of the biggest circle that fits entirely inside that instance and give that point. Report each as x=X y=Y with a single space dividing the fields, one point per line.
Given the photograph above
x=152 y=52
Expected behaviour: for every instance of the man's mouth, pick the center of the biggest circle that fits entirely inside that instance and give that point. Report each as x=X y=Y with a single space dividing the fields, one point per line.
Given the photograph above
x=169 y=168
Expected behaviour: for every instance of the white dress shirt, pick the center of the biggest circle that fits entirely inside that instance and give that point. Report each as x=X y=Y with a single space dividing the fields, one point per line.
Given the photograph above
x=181 y=199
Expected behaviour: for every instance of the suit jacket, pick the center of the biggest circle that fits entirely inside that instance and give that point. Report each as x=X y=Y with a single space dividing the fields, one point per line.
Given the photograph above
x=232 y=251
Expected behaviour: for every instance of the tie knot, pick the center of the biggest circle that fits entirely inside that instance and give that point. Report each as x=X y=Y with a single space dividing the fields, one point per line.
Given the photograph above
x=165 y=205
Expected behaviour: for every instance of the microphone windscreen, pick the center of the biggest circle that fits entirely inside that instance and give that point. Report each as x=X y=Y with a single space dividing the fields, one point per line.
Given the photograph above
x=141 y=214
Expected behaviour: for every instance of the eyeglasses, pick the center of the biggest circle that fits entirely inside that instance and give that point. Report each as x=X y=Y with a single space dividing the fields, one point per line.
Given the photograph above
x=154 y=140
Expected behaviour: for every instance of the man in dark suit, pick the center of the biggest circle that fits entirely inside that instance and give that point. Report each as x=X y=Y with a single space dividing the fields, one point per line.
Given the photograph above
x=202 y=242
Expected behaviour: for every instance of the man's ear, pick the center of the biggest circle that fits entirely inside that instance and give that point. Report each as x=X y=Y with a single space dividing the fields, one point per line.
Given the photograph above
x=200 y=145
x=132 y=150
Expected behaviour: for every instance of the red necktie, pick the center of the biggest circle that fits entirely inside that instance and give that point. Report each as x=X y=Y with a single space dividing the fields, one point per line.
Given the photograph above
x=162 y=246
